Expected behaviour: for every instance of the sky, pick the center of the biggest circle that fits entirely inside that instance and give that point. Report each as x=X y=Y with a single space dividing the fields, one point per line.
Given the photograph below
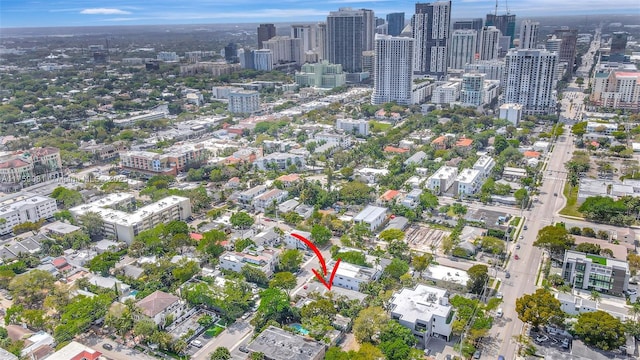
x=31 y=13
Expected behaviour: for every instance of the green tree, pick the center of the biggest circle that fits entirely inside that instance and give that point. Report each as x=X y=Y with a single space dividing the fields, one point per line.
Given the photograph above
x=396 y=269
x=290 y=260
x=256 y=356
x=103 y=263
x=283 y=280
x=254 y=275
x=600 y=329
x=428 y=200
x=211 y=243
x=241 y=220
x=492 y=245
x=369 y=323
x=320 y=235
x=500 y=143
x=391 y=234
x=66 y=198
x=588 y=248
x=555 y=239
x=421 y=262
x=185 y=271
x=478 y=277
x=221 y=353
x=31 y=289
x=521 y=196
x=93 y=224
x=355 y=192
x=539 y=308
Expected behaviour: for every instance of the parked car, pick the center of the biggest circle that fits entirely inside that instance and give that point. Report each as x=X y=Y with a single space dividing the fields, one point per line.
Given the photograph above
x=243 y=349
x=196 y=343
x=507 y=275
x=542 y=338
x=499 y=313
x=477 y=354
x=107 y=346
x=517 y=246
x=517 y=257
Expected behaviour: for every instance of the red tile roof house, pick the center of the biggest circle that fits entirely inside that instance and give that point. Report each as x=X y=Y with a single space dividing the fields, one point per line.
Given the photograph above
x=388 y=196
x=464 y=143
x=439 y=143
x=531 y=154
x=159 y=305
x=397 y=150
x=289 y=180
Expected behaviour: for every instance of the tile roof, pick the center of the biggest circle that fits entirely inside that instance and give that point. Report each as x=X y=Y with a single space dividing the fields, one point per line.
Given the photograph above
x=395 y=150
x=156 y=303
x=389 y=195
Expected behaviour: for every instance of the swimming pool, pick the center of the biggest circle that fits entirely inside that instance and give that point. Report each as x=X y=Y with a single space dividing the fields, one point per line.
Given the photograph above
x=300 y=329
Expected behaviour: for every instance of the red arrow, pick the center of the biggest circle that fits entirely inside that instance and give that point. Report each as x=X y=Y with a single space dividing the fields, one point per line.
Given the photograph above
x=333 y=274
x=315 y=250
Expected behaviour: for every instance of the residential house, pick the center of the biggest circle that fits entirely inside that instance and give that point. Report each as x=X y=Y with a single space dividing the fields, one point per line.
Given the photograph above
x=75 y=351
x=442 y=179
x=412 y=199
x=160 y=306
x=269 y=198
x=264 y=259
x=425 y=310
x=415 y=159
x=388 y=197
x=372 y=216
x=439 y=143
x=278 y=344
x=370 y=175
x=289 y=180
x=291 y=242
x=350 y=276
x=464 y=143
x=246 y=197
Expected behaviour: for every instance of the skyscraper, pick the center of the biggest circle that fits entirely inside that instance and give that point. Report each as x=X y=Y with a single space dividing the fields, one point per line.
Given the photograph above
x=285 y=50
x=348 y=32
x=472 y=92
x=618 y=46
x=567 y=51
x=430 y=29
x=306 y=33
x=463 y=48
x=468 y=24
x=321 y=41
x=395 y=23
x=262 y=59
x=530 y=80
x=505 y=23
x=489 y=43
x=369 y=29
x=393 y=69
x=265 y=32
x=528 y=34
x=231 y=53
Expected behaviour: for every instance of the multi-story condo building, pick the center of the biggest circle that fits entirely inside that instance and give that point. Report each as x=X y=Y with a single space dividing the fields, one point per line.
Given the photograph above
x=350 y=276
x=167 y=56
x=28 y=167
x=446 y=93
x=472 y=92
x=280 y=161
x=307 y=35
x=393 y=70
x=489 y=44
x=349 y=33
x=468 y=182
x=321 y=75
x=262 y=59
x=263 y=259
x=17 y=209
x=124 y=226
x=618 y=46
x=395 y=23
x=175 y=160
x=463 y=48
x=269 y=198
x=530 y=80
x=604 y=128
x=468 y=24
x=425 y=310
x=511 y=112
x=341 y=140
x=265 y=32
x=430 y=29
x=485 y=165
x=372 y=216
x=567 y=51
x=442 y=179
x=553 y=44
x=246 y=197
x=616 y=90
x=492 y=69
x=505 y=23
x=321 y=40
x=528 y=34
x=244 y=101
x=285 y=50
x=350 y=126
x=593 y=272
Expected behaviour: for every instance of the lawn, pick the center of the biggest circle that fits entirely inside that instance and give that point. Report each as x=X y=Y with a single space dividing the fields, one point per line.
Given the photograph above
x=571 y=194
x=379 y=126
x=214 y=331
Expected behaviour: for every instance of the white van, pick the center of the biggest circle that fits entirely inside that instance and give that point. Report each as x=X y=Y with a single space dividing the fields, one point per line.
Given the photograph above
x=499 y=313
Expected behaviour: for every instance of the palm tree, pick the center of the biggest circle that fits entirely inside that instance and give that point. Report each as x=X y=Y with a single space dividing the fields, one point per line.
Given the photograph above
x=595 y=296
x=635 y=310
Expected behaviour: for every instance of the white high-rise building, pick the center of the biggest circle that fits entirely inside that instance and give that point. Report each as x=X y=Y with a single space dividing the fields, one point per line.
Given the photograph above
x=321 y=41
x=285 y=49
x=489 y=43
x=463 y=48
x=430 y=29
x=244 y=101
x=307 y=34
x=528 y=34
x=530 y=80
x=472 y=92
x=262 y=59
x=393 y=65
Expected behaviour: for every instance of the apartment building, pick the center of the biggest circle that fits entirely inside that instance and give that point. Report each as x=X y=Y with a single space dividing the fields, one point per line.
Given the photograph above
x=350 y=276
x=425 y=310
x=616 y=89
x=244 y=102
x=468 y=182
x=593 y=272
x=264 y=259
x=246 y=197
x=485 y=165
x=372 y=216
x=360 y=127
x=124 y=226
x=269 y=198
x=412 y=199
x=29 y=167
x=280 y=161
x=603 y=128
x=442 y=179
x=18 y=209
x=175 y=160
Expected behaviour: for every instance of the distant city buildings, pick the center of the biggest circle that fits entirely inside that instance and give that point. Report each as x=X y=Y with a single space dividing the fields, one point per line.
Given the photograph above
x=567 y=51
x=528 y=34
x=285 y=50
x=349 y=33
x=463 y=48
x=28 y=167
x=265 y=32
x=393 y=70
x=531 y=81
x=395 y=23
x=430 y=29
x=489 y=44
x=505 y=23
x=244 y=102
x=618 y=46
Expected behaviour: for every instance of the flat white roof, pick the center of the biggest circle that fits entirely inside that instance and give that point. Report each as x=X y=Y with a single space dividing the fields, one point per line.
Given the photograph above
x=420 y=303
x=370 y=213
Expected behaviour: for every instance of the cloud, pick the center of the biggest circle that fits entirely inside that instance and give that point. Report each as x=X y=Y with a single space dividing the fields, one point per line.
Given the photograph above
x=104 y=11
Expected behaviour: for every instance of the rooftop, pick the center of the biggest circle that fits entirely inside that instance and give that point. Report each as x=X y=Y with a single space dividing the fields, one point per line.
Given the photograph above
x=420 y=303
x=156 y=302
x=370 y=213
x=278 y=344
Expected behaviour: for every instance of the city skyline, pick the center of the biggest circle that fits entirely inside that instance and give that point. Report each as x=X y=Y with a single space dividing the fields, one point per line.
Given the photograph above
x=15 y=13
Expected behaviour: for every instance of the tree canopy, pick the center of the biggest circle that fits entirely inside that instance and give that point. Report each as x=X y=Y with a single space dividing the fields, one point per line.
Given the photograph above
x=600 y=329
x=539 y=308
